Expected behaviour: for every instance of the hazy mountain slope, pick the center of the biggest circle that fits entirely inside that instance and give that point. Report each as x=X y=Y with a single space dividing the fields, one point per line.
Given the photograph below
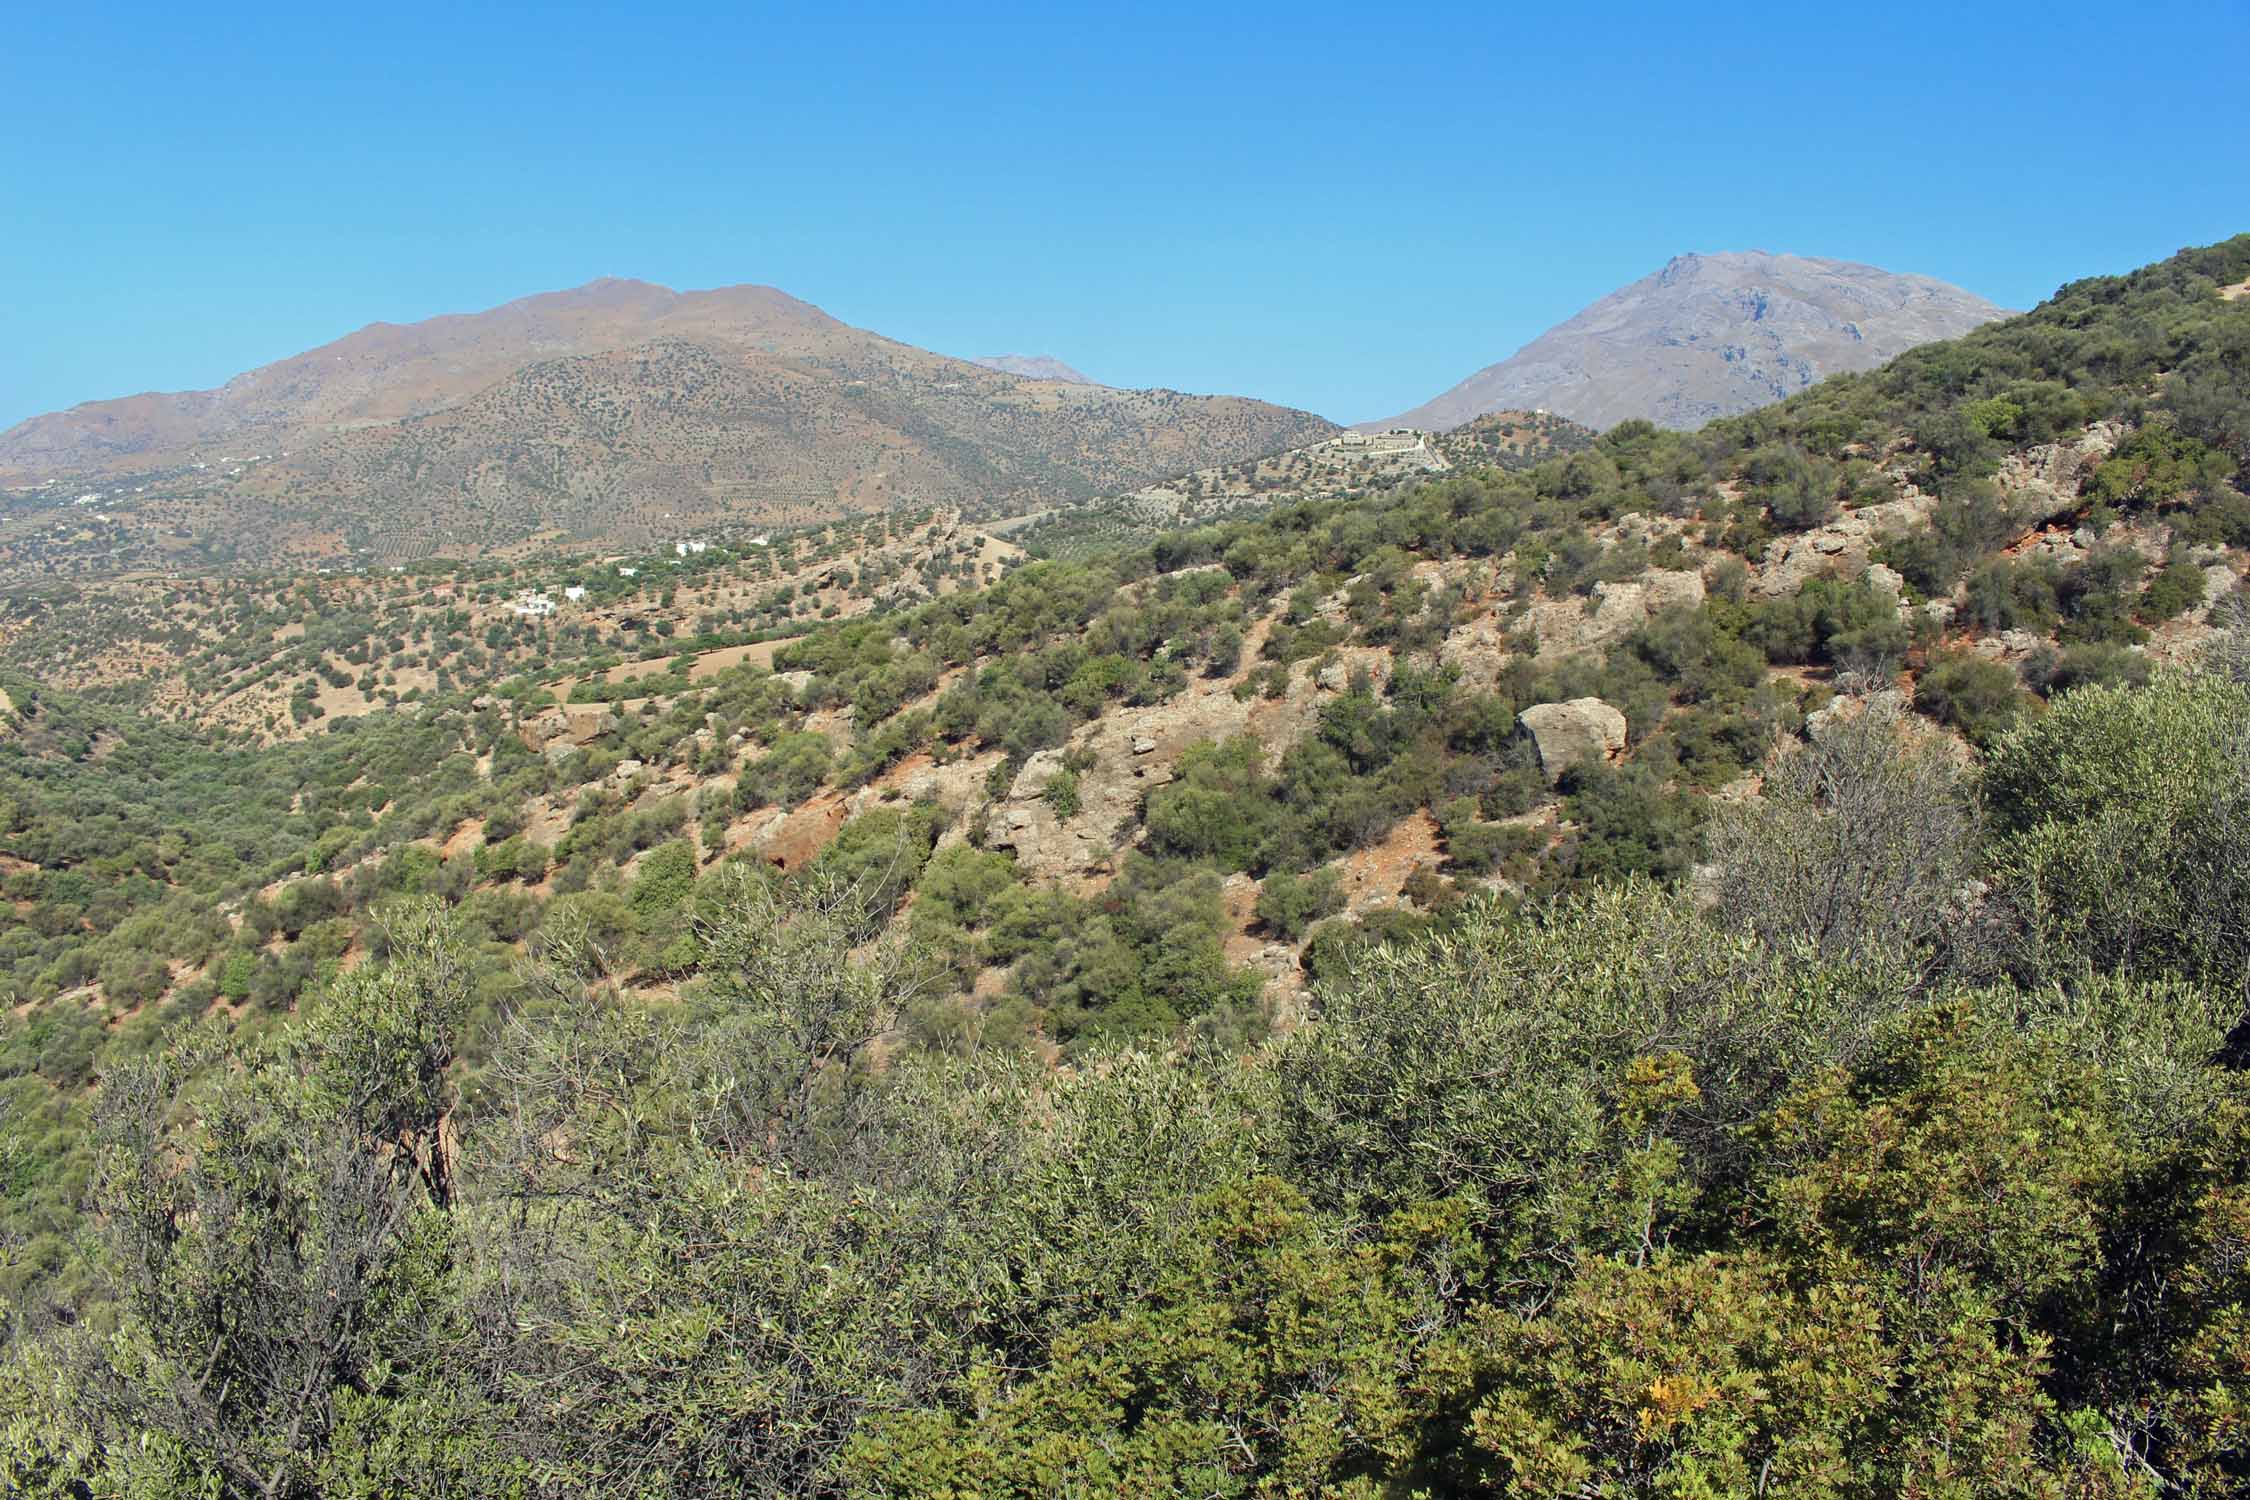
x=594 y=413
x=1033 y=367
x=387 y=371
x=622 y=444
x=1709 y=336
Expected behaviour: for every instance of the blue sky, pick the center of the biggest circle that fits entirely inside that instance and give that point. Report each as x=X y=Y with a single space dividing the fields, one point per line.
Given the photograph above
x=1317 y=205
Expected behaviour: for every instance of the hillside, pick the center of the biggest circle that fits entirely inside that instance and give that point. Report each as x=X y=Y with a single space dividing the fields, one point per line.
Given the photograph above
x=1349 y=465
x=1512 y=440
x=615 y=413
x=1975 y=528
x=263 y=658
x=1710 y=336
x=1707 y=957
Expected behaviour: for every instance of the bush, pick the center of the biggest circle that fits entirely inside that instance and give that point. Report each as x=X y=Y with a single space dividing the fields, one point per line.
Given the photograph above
x=2124 y=823
x=1288 y=905
x=2177 y=588
x=2099 y=665
x=1976 y=696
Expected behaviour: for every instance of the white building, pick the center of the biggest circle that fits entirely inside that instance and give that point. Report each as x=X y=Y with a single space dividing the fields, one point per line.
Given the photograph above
x=575 y=592
x=628 y=572
x=530 y=605
x=684 y=548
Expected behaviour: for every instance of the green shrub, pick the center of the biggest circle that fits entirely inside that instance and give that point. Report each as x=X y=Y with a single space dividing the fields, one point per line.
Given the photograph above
x=1979 y=697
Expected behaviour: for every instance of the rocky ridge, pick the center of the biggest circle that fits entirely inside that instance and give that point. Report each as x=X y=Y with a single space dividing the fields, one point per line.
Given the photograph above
x=1708 y=336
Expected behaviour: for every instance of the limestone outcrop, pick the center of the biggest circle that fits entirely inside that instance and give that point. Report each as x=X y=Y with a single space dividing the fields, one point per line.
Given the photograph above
x=1575 y=733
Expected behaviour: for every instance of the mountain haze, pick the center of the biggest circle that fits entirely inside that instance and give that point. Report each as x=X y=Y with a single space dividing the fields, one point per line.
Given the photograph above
x=1033 y=367
x=1709 y=336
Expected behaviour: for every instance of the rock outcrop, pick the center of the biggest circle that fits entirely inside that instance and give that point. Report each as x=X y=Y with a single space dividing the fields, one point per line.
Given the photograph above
x=1888 y=705
x=2043 y=482
x=1576 y=733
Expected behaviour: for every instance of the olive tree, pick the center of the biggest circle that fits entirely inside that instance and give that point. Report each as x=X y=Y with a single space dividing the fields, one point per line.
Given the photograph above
x=1862 y=843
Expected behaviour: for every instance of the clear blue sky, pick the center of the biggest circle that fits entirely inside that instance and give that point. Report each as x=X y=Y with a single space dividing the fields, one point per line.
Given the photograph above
x=1305 y=203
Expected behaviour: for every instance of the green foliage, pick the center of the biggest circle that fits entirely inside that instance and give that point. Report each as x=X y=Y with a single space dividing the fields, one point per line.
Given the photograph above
x=1138 y=961
x=1975 y=695
x=1289 y=905
x=2123 y=818
x=788 y=773
x=1916 y=1166
x=1628 y=823
x=2156 y=466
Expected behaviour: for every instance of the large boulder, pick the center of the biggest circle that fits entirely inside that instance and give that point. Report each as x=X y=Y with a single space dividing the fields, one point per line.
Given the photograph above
x=1576 y=733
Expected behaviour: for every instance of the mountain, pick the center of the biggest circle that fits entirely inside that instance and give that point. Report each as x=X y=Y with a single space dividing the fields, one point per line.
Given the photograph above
x=1033 y=367
x=1709 y=336
x=608 y=413
x=389 y=371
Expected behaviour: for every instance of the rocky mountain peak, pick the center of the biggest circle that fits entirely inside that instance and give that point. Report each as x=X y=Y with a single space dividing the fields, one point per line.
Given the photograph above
x=1709 y=335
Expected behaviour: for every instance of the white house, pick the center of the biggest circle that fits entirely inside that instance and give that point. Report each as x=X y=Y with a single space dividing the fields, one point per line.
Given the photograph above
x=575 y=592
x=530 y=604
x=628 y=572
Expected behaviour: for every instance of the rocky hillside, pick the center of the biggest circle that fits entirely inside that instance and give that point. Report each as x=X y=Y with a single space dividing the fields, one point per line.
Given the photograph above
x=1150 y=787
x=1709 y=336
x=386 y=372
x=585 y=416
x=261 y=659
x=1512 y=440
x=757 y=969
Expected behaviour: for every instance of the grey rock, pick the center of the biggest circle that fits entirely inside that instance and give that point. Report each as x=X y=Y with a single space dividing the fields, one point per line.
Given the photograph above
x=1823 y=721
x=1575 y=733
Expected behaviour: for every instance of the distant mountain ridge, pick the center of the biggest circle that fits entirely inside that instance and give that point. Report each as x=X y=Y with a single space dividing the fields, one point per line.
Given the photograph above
x=1033 y=367
x=610 y=413
x=392 y=371
x=1710 y=336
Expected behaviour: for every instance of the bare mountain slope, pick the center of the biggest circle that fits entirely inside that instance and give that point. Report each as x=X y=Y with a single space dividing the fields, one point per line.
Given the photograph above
x=632 y=443
x=387 y=371
x=600 y=412
x=1709 y=336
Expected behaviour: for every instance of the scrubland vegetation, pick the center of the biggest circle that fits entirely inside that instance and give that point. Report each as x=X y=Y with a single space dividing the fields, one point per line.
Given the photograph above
x=435 y=1106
